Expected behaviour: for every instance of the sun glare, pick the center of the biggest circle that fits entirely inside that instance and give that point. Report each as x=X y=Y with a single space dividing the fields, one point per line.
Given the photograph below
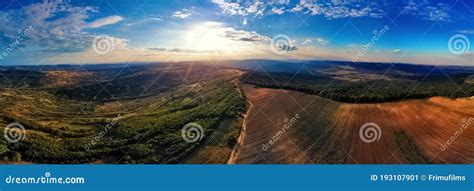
x=210 y=37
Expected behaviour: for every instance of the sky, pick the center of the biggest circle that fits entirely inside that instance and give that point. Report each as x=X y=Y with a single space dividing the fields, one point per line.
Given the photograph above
x=120 y=31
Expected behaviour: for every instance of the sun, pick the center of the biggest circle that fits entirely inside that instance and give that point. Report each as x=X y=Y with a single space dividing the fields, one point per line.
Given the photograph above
x=210 y=36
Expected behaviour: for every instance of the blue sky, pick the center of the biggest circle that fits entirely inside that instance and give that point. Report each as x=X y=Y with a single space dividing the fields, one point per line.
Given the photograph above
x=118 y=31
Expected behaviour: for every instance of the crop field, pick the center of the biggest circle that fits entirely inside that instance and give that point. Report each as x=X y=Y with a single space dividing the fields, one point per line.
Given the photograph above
x=411 y=131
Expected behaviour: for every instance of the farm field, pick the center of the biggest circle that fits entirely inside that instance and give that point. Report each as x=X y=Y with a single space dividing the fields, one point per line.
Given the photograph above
x=328 y=132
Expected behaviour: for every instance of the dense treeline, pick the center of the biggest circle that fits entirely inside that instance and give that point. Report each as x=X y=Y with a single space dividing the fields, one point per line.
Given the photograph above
x=371 y=91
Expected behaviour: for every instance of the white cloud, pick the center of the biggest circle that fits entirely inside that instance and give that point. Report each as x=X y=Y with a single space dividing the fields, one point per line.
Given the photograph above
x=278 y=11
x=246 y=36
x=105 y=21
x=143 y=21
x=331 y=9
x=216 y=36
x=336 y=9
x=322 y=41
x=316 y=40
x=396 y=51
x=257 y=8
x=57 y=26
x=433 y=12
x=230 y=8
x=184 y=13
x=307 y=41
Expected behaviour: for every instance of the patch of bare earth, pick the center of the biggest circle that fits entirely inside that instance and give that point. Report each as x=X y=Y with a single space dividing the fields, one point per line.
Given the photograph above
x=328 y=131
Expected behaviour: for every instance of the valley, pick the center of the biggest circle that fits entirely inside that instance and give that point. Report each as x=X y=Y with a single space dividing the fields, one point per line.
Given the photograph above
x=143 y=108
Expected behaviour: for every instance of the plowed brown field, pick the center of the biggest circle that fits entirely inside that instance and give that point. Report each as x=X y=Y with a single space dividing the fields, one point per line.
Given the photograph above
x=328 y=131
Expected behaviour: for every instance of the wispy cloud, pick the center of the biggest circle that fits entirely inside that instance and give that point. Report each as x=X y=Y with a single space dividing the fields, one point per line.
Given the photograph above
x=339 y=9
x=320 y=41
x=257 y=8
x=144 y=21
x=105 y=21
x=230 y=8
x=241 y=35
x=184 y=13
x=433 y=12
x=59 y=26
x=330 y=9
x=278 y=11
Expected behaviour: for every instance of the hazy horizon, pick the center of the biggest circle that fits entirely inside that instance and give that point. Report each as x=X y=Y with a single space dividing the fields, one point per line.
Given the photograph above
x=36 y=32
